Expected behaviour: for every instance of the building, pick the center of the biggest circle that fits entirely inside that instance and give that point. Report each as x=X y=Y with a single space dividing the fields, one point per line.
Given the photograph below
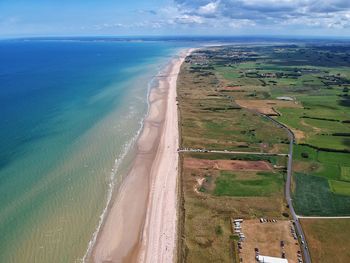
x=266 y=259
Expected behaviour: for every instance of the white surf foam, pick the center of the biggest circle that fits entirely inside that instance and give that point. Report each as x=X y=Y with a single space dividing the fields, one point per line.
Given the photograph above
x=112 y=180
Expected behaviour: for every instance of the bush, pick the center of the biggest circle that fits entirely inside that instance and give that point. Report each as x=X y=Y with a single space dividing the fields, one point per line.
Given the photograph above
x=234 y=237
x=304 y=155
x=285 y=214
x=218 y=230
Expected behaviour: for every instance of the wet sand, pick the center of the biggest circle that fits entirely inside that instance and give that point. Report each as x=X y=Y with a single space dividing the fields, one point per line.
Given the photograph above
x=141 y=223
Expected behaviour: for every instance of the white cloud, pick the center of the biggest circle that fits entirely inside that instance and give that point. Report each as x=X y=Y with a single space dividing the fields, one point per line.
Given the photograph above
x=178 y=15
x=247 y=13
x=108 y=26
x=209 y=9
x=188 y=19
x=254 y=15
x=239 y=23
x=336 y=20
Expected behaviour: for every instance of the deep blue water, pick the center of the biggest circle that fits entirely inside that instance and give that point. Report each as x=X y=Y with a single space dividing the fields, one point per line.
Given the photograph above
x=38 y=79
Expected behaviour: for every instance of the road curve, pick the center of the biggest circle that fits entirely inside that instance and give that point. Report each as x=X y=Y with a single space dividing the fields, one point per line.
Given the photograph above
x=295 y=217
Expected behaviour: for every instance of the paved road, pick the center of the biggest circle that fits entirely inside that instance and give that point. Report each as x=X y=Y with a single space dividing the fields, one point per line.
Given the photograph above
x=231 y=152
x=307 y=258
x=324 y=217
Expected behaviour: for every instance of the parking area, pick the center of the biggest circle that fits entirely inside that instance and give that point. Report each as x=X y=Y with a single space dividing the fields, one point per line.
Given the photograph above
x=269 y=237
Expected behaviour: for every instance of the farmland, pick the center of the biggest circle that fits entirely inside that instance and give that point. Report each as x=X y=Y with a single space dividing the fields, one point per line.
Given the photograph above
x=222 y=94
x=322 y=186
x=315 y=84
x=315 y=197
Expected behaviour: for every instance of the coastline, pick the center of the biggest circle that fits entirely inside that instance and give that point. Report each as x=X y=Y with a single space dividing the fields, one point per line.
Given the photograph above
x=141 y=223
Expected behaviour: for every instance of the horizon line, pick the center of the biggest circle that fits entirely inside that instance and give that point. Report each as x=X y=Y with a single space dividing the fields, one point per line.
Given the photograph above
x=185 y=36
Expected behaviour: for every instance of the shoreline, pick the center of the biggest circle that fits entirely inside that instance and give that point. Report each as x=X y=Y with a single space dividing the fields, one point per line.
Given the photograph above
x=133 y=226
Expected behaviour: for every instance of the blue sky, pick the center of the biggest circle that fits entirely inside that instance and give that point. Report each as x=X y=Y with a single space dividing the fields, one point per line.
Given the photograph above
x=174 y=17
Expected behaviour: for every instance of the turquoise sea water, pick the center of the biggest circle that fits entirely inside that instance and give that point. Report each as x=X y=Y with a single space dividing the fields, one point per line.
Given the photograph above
x=69 y=110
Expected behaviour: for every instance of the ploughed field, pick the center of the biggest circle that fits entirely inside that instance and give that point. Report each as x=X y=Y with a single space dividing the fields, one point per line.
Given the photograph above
x=222 y=92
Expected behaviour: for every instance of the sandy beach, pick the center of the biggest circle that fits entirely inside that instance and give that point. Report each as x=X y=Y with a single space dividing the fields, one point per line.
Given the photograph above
x=141 y=223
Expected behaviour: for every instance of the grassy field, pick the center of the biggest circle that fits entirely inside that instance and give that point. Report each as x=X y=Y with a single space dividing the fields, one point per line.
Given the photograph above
x=248 y=184
x=340 y=188
x=345 y=173
x=328 y=239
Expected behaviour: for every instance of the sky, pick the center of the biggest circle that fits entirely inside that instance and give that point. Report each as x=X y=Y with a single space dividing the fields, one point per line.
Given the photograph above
x=174 y=17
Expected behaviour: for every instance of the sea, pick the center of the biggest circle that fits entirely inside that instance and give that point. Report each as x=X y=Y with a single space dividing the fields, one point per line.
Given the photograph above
x=70 y=111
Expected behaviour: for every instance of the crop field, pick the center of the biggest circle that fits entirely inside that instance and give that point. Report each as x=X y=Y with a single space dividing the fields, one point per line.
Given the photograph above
x=326 y=239
x=321 y=182
x=314 y=197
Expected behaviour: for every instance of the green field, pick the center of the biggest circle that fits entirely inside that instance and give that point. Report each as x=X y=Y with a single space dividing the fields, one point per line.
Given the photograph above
x=248 y=184
x=331 y=165
x=326 y=173
x=325 y=164
x=314 y=197
x=340 y=188
x=345 y=173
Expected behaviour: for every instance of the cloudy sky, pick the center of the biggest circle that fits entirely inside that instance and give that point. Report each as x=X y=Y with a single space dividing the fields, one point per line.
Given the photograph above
x=174 y=17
